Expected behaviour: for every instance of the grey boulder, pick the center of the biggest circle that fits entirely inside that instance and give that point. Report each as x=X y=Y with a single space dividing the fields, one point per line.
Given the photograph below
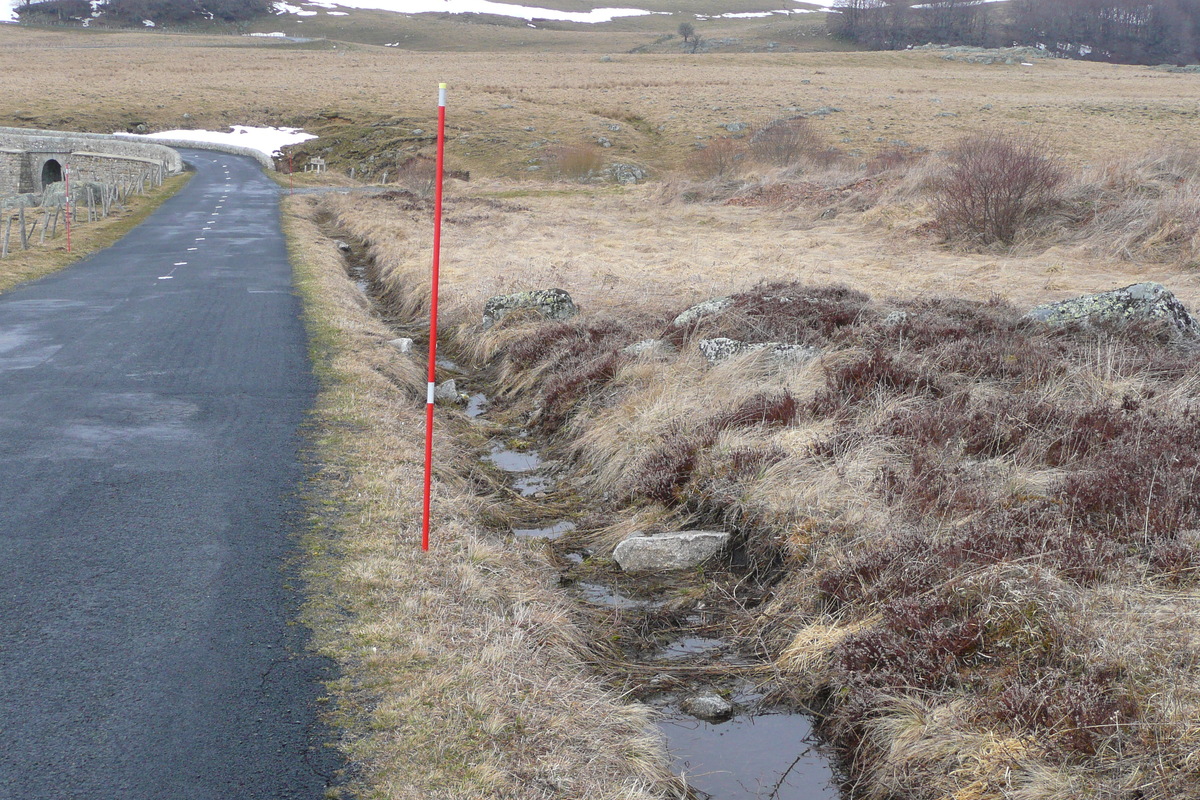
x=403 y=344
x=722 y=348
x=550 y=303
x=709 y=707
x=447 y=392
x=705 y=309
x=1139 y=302
x=666 y=551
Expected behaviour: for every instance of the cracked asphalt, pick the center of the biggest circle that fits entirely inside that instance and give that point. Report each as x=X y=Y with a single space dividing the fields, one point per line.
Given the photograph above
x=150 y=405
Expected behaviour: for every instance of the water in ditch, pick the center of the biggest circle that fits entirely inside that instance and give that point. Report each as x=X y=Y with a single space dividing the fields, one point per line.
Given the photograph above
x=760 y=756
x=758 y=753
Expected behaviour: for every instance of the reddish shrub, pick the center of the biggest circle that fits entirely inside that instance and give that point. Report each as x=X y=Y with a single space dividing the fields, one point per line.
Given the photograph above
x=760 y=409
x=1080 y=711
x=792 y=312
x=922 y=642
x=669 y=466
x=790 y=142
x=722 y=158
x=877 y=372
x=992 y=184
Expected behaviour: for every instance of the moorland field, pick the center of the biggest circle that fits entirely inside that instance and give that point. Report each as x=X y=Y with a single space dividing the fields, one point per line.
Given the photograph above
x=972 y=542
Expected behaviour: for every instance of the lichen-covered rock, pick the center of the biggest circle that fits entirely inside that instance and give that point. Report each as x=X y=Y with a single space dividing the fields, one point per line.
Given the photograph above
x=22 y=200
x=447 y=392
x=667 y=551
x=403 y=344
x=626 y=174
x=550 y=303
x=721 y=348
x=653 y=349
x=1139 y=302
x=701 y=310
x=709 y=707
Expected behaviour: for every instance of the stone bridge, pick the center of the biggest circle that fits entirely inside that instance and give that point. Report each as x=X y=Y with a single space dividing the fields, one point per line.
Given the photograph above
x=30 y=160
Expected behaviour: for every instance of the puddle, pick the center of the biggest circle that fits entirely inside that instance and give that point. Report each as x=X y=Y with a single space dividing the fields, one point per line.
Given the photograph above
x=600 y=595
x=750 y=758
x=477 y=405
x=531 y=485
x=551 y=533
x=693 y=647
x=511 y=460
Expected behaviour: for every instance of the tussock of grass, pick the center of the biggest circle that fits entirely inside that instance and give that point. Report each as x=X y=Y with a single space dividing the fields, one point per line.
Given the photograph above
x=462 y=672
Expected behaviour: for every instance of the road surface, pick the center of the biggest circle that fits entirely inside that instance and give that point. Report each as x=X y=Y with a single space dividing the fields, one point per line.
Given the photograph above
x=150 y=400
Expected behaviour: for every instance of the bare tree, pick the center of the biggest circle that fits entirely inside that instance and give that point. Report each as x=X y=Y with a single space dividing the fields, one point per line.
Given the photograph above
x=687 y=30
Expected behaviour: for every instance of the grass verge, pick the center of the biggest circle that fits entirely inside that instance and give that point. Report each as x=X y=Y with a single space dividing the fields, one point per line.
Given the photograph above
x=462 y=673
x=87 y=238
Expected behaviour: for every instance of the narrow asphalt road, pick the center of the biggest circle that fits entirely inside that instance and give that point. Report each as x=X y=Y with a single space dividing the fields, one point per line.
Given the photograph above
x=150 y=400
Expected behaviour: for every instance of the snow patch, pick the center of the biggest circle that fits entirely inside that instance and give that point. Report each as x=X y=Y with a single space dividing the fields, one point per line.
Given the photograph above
x=265 y=140
x=288 y=8
x=478 y=7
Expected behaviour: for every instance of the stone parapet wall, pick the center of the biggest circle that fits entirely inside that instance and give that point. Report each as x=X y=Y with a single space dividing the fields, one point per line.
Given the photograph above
x=31 y=140
x=267 y=162
x=105 y=168
x=30 y=159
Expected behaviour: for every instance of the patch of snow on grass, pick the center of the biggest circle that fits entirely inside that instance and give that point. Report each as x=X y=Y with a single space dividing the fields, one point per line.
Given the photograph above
x=482 y=7
x=288 y=8
x=266 y=140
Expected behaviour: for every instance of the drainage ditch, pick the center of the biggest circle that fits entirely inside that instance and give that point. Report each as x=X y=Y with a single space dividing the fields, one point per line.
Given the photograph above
x=675 y=643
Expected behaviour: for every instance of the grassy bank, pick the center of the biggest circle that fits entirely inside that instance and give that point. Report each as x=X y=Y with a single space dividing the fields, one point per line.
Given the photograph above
x=979 y=535
x=87 y=238
x=461 y=669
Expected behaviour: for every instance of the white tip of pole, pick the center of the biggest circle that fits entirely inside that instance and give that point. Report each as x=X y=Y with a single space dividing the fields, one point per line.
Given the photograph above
x=441 y=94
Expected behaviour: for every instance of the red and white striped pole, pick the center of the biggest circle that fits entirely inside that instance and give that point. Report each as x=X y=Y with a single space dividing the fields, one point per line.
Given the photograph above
x=67 y=202
x=433 y=311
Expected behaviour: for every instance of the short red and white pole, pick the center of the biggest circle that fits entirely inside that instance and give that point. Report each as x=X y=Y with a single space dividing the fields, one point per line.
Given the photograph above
x=431 y=387
x=67 y=202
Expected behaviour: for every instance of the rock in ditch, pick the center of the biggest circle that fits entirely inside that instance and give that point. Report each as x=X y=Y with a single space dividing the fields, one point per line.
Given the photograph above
x=709 y=707
x=403 y=344
x=550 y=303
x=666 y=551
x=721 y=348
x=447 y=392
x=342 y=247
x=1139 y=302
x=701 y=310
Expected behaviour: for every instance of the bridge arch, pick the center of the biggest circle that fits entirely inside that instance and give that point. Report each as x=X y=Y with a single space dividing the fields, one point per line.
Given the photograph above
x=52 y=172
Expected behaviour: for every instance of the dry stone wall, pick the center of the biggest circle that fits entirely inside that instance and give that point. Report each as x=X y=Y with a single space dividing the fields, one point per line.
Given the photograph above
x=30 y=159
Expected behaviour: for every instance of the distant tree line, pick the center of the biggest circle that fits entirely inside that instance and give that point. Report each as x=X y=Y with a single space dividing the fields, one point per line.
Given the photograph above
x=133 y=12
x=1121 y=31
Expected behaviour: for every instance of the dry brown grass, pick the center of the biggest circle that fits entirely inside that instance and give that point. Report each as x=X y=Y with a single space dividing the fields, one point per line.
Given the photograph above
x=1084 y=111
x=822 y=511
x=461 y=669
